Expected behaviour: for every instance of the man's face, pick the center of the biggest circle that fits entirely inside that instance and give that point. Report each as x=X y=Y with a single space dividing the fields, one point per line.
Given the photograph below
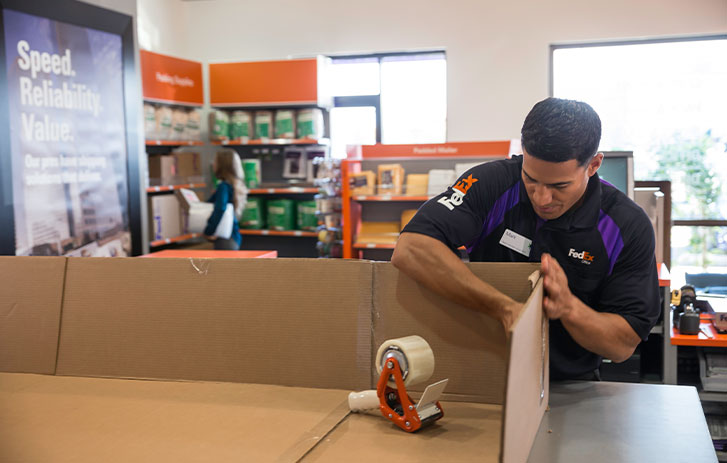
x=554 y=187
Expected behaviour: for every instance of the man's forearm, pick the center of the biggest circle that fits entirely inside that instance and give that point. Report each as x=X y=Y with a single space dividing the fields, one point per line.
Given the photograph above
x=606 y=334
x=431 y=263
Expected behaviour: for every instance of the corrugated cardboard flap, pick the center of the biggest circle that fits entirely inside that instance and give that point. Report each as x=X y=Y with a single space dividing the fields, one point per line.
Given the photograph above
x=527 y=394
x=469 y=347
x=31 y=290
x=238 y=320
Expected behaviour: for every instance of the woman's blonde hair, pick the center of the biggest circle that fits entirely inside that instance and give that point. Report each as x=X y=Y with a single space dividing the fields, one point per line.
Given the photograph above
x=228 y=167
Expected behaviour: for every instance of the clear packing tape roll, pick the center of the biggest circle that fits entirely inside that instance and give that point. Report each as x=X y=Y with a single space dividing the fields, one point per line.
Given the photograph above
x=418 y=359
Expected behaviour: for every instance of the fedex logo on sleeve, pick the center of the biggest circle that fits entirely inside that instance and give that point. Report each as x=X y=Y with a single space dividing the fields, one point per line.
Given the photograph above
x=460 y=189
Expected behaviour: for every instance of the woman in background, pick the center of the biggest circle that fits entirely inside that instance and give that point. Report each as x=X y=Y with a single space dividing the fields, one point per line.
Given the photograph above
x=230 y=189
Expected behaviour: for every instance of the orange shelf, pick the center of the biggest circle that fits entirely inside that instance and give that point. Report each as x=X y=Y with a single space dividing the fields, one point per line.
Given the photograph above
x=290 y=190
x=275 y=141
x=390 y=198
x=156 y=189
x=176 y=239
x=374 y=246
x=174 y=143
x=707 y=337
x=664 y=275
x=297 y=233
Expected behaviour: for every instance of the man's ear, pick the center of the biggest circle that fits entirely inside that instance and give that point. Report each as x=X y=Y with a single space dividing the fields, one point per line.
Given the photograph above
x=594 y=164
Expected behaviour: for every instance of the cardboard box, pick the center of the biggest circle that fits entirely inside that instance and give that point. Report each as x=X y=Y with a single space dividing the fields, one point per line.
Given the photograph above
x=391 y=179
x=363 y=183
x=311 y=325
x=161 y=169
x=416 y=184
x=164 y=217
x=188 y=166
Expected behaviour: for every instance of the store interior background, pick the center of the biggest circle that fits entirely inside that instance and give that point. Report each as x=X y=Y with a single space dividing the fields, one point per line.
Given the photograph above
x=498 y=53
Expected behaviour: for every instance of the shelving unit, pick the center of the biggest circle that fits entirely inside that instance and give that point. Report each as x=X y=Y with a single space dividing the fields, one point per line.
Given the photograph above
x=290 y=233
x=415 y=159
x=274 y=141
x=176 y=239
x=167 y=188
x=165 y=93
x=271 y=86
x=174 y=143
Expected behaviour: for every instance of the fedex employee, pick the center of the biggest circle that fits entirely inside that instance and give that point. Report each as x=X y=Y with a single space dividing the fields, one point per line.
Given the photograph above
x=595 y=245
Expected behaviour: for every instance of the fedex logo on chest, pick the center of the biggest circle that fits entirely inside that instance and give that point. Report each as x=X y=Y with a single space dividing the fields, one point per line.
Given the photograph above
x=584 y=256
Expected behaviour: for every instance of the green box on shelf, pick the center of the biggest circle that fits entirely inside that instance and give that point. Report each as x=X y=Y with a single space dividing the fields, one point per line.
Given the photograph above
x=307 y=219
x=251 y=171
x=281 y=214
x=253 y=217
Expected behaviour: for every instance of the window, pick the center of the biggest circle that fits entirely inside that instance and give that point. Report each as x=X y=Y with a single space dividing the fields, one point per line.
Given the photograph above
x=663 y=100
x=388 y=98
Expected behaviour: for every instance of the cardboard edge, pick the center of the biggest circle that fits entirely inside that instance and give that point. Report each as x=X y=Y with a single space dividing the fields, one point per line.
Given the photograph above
x=60 y=314
x=316 y=434
x=508 y=377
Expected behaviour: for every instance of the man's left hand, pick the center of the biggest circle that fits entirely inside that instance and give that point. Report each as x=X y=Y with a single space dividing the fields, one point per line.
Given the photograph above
x=558 y=300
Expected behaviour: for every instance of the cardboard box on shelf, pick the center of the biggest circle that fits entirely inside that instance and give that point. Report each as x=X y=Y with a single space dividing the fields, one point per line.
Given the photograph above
x=378 y=233
x=363 y=183
x=217 y=360
x=188 y=166
x=161 y=169
x=416 y=184
x=391 y=178
x=164 y=217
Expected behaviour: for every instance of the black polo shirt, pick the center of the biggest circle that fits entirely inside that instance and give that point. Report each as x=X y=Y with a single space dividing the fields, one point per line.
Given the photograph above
x=605 y=246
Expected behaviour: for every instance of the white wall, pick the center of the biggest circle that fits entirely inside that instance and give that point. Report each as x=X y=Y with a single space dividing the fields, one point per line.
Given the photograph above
x=497 y=51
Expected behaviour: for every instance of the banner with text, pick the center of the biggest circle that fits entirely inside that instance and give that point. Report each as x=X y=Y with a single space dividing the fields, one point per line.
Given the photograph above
x=68 y=148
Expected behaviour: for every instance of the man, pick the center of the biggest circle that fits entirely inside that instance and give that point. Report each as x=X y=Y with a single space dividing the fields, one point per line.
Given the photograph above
x=595 y=245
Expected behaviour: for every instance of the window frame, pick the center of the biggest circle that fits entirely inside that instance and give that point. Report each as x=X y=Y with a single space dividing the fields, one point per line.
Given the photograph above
x=375 y=100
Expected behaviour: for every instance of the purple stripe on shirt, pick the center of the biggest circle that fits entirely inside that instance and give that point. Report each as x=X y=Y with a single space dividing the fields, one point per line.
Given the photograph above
x=504 y=203
x=606 y=183
x=611 y=236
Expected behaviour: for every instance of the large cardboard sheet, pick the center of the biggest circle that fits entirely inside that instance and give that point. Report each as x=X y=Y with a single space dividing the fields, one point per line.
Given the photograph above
x=30 y=312
x=63 y=419
x=294 y=322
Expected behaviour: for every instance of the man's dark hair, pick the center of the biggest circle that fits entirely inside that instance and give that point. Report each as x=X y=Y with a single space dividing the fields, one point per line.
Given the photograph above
x=558 y=130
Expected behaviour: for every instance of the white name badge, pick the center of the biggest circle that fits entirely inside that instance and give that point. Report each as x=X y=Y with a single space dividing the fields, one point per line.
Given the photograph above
x=516 y=242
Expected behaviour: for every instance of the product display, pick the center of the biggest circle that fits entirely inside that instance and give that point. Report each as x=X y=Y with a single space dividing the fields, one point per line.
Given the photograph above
x=391 y=178
x=363 y=183
x=194 y=120
x=328 y=207
x=285 y=123
x=313 y=157
x=150 y=122
x=310 y=123
x=416 y=184
x=306 y=217
x=163 y=123
x=241 y=126
x=281 y=214
x=253 y=217
x=252 y=170
x=294 y=163
x=263 y=125
x=179 y=124
x=439 y=181
x=219 y=125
